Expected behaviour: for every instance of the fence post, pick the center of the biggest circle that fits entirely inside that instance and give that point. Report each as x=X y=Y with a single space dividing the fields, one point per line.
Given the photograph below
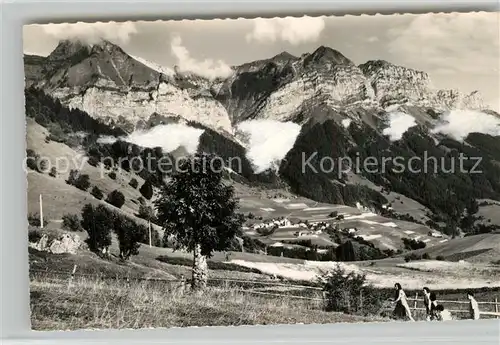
x=71 y=277
x=361 y=300
x=496 y=306
x=415 y=304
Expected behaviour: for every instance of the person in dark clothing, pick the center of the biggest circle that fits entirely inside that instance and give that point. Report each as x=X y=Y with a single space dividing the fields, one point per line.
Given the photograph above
x=427 y=303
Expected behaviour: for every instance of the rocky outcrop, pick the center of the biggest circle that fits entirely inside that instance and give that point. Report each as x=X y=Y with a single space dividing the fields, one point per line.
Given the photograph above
x=394 y=84
x=57 y=244
x=279 y=88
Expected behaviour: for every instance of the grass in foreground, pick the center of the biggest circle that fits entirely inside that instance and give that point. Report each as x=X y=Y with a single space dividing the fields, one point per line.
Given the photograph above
x=91 y=303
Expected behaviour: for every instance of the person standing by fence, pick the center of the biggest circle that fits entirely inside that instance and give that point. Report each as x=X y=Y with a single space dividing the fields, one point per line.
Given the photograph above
x=473 y=306
x=427 y=303
x=402 y=309
x=432 y=312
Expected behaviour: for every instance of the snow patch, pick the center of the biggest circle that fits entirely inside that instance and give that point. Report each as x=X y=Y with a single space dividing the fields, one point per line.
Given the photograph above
x=370 y=237
x=346 y=123
x=293 y=206
x=267 y=141
x=361 y=216
x=317 y=209
x=399 y=123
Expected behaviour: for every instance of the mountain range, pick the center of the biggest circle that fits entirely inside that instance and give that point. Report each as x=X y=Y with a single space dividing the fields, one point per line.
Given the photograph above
x=343 y=110
x=109 y=84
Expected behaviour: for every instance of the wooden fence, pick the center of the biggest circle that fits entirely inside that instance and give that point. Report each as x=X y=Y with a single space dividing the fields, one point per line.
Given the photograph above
x=317 y=295
x=494 y=304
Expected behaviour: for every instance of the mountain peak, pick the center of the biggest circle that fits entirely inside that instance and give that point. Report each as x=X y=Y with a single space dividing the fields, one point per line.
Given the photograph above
x=284 y=55
x=374 y=64
x=107 y=46
x=324 y=54
x=67 y=48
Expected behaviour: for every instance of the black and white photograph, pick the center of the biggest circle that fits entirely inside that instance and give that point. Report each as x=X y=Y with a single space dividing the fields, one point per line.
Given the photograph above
x=287 y=170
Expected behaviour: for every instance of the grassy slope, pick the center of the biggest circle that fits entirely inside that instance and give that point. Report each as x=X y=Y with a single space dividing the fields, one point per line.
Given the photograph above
x=478 y=248
x=93 y=303
x=61 y=198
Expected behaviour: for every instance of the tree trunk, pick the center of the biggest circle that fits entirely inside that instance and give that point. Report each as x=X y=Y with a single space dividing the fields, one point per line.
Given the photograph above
x=200 y=269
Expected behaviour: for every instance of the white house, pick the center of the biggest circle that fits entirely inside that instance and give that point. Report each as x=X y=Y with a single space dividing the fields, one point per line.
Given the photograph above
x=435 y=234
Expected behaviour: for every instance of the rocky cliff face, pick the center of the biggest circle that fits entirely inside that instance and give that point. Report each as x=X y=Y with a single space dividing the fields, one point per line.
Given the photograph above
x=279 y=88
x=111 y=85
x=394 y=84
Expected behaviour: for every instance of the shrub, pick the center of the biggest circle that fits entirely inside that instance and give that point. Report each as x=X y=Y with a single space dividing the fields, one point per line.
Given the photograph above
x=349 y=293
x=53 y=172
x=71 y=222
x=440 y=258
x=34 y=162
x=413 y=257
x=94 y=161
x=253 y=245
x=34 y=219
x=358 y=250
x=116 y=198
x=73 y=175
x=34 y=235
x=129 y=235
x=334 y=214
x=133 y=183
x=147 y=190
x=411 y=244
x=112 y=175
x=97 y=193
x=426 y=256
x=98 y=222
x=31 y=159
x=147 y=213
x=82 y=182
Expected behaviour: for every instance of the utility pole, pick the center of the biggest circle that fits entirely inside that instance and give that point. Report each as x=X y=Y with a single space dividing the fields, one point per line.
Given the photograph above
x=41 y=212
x=149 y=233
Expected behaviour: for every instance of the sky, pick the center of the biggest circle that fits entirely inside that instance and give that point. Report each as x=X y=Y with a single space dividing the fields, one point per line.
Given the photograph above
x=458 y=50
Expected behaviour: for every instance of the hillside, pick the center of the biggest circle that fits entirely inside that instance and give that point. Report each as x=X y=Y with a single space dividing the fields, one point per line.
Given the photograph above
x=60 y=198
x=479 y=248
